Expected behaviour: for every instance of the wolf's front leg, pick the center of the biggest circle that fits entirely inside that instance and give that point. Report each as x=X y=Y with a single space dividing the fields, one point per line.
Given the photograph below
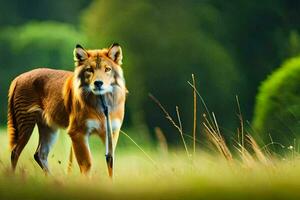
x=115 y=126
x=82 y=151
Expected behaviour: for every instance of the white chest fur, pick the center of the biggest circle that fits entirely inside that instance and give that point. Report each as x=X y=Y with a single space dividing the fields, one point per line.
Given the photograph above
x=92 y=125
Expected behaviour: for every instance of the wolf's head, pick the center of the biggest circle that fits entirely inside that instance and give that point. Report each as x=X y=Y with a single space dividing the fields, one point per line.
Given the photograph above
x=98 y=71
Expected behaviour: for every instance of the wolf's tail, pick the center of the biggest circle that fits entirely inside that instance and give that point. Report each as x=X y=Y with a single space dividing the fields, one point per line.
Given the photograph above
x=12 y=126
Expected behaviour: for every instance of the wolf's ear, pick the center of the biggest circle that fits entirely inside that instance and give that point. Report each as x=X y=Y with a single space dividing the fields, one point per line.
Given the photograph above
x=115 y=53
x=79 y=53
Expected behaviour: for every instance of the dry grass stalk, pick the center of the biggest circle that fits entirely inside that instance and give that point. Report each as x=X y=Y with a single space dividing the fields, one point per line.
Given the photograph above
x=163 y=145
x=191 y=138
x=245 y=155
x=247 y=159
x=167 y=115
x=195 y=114
x=202 y=100
x=181 y=131
x=140 y=148
x=262 y=158
x=241 y=130
x=216 y=138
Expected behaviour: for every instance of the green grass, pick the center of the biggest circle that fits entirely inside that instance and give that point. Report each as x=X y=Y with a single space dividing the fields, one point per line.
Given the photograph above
x=172 y=176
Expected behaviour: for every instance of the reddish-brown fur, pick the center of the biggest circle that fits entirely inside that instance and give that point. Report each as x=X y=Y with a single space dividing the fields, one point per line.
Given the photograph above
x=55 y=99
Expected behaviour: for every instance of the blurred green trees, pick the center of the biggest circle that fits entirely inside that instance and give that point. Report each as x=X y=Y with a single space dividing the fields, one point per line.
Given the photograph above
x=19 y=12
x=164 y=43
x=277 y=110
x=37 y=44
x=230 y=47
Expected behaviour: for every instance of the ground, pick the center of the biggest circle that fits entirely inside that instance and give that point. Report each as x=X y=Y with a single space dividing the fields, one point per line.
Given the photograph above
x=170 y=175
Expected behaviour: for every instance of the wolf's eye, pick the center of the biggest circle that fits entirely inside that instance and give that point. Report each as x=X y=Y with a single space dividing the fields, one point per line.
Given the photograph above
x=107 y=69
x=90 y=70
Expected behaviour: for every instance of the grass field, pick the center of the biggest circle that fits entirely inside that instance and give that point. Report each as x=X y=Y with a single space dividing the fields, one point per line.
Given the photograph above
x=171 y=175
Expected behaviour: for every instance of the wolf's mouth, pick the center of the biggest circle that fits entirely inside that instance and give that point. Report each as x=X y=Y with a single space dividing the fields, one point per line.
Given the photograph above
x=101 y=91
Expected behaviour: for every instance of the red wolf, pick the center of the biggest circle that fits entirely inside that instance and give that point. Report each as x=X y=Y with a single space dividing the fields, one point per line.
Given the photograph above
x=53 y=99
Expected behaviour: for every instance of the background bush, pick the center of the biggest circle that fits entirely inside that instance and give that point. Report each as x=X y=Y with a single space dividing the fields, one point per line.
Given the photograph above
x=277 y=110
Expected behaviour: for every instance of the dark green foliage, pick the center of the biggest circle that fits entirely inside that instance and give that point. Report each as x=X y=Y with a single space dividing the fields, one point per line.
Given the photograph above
x=260 y=34
x=47 y=44
x=277 y=110
x=164 y=43
x=229 y=46
x=17 y=12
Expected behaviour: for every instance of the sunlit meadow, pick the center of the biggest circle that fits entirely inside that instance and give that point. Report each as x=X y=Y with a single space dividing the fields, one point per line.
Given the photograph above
x=156 y=173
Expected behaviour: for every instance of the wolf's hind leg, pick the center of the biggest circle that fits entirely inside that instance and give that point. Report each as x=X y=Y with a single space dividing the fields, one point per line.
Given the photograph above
x=25 y=131
x=47 y=137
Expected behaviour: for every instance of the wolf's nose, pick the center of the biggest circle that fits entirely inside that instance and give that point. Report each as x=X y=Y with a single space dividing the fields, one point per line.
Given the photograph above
x=98 y=84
